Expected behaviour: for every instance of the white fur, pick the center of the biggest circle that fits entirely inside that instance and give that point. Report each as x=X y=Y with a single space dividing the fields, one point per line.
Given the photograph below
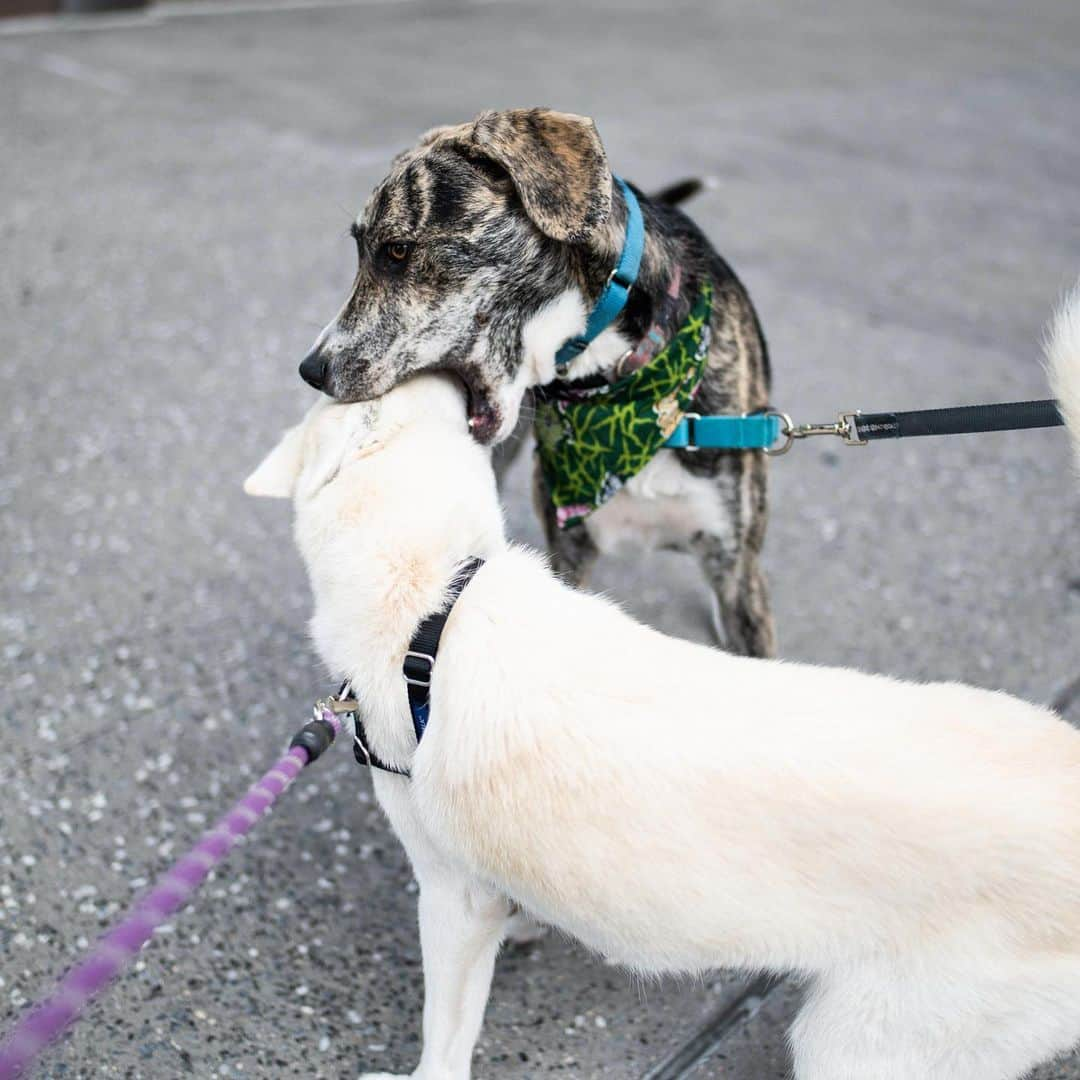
x=912 y=851
x=1063 y=361
x=541 y=337
x=661 y=507
x=556 y=322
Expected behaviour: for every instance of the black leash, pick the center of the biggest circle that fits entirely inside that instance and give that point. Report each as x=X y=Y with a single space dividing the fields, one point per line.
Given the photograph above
x=962 y=420
x=858 y=429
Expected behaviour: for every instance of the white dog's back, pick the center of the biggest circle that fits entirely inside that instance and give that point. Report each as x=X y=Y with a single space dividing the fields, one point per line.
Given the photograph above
x=913 y=850
x=704 y=810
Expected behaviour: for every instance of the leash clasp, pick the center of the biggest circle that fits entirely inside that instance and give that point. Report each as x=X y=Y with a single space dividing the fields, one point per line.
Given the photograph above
x=340 y=704
x=844 y=427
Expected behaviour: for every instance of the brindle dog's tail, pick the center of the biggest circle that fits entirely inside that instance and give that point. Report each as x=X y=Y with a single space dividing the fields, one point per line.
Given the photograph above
x=1063 y=363
x=681 y=191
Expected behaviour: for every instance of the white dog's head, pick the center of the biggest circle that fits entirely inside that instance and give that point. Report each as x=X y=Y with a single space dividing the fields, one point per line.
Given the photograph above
x=310 y=455
x=397 y=472
x=389 y=497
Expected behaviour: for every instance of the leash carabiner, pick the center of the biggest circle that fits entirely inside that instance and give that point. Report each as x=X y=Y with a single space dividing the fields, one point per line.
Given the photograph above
x=844 y=427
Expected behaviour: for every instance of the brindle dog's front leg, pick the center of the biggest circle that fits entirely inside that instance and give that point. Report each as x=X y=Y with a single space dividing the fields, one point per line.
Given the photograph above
x=505 y=453
x=573 y=554
x=731 y=560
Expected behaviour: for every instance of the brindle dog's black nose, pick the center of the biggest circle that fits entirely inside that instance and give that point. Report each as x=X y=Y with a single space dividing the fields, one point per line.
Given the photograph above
x=313 y=369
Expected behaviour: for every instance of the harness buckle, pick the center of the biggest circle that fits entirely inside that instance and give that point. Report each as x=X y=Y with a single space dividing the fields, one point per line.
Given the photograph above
x=418 y=667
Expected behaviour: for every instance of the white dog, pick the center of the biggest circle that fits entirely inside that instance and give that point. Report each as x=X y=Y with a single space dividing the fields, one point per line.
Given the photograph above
x=913 y=852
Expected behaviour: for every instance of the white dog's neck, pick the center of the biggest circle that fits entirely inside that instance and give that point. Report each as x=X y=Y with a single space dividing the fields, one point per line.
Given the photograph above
x=382 y=548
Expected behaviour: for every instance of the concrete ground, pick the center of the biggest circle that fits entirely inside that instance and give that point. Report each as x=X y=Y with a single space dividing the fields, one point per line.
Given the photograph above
x=896 y=186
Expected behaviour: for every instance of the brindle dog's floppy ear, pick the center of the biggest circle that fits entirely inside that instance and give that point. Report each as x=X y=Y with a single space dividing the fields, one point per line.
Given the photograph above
x=432 y=135
x=556 y=163
x=441 y=131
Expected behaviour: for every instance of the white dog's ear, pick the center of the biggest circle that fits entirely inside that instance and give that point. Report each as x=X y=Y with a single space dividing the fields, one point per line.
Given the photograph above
x=277 y=473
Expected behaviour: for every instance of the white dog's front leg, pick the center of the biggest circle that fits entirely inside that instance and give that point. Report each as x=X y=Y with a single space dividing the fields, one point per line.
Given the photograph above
x=461 y=926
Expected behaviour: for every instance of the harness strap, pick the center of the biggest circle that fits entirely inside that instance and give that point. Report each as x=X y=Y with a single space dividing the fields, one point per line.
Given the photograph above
x=344 y=703
x=613 y=299
x=364 y=754
x=417 y=668
x=424 y=647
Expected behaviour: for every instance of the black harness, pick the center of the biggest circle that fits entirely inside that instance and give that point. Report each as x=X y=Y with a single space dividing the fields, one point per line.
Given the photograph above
x=418 y=668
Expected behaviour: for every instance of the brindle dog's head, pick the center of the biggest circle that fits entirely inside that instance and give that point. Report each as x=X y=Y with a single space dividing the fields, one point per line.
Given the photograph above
x=474 y=230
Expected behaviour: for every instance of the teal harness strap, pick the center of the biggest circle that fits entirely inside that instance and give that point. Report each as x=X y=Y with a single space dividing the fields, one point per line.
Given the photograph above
x=757 y=431
x=613 y=299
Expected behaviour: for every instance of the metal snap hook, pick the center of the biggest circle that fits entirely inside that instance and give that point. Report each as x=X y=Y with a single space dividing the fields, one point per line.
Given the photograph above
x=844 y=427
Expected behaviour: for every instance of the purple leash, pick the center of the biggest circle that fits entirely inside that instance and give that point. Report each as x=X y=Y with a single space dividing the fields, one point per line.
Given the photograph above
x=120 y=946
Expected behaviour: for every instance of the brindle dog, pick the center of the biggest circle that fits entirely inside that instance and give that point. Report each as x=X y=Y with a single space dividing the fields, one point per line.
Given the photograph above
x=482 y=251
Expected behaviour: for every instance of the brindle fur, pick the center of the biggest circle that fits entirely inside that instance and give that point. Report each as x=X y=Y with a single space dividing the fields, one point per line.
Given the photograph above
x=505 y=214
x=736 y=381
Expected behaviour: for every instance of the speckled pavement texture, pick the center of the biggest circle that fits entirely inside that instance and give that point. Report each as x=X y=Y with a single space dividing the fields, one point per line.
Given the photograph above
x=897 y=187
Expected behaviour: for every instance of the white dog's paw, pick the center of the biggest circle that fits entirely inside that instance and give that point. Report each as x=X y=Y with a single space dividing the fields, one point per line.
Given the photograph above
x=384 y=1076
x=521 y=930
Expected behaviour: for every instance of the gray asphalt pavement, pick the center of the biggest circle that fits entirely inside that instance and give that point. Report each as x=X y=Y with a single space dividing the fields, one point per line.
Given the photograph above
x=897 y=185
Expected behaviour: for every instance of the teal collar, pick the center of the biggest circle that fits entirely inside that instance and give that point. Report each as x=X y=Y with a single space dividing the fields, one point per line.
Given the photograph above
x=755 y=431
x=613 y=299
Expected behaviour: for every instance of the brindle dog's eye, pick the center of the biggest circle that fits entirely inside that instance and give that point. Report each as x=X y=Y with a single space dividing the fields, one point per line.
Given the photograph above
x=397 y=250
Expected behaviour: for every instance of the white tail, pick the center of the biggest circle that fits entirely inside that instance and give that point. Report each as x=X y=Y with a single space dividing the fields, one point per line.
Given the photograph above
x=1063 y=363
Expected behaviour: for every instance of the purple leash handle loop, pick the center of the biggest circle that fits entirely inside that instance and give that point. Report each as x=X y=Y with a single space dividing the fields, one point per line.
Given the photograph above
x=171 y=892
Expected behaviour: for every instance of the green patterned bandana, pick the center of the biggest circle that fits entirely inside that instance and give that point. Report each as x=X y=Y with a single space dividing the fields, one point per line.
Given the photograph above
x=591 y=441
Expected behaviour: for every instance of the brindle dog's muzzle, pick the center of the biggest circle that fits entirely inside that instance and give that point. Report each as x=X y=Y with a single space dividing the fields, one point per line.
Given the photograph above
x=314 y=369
